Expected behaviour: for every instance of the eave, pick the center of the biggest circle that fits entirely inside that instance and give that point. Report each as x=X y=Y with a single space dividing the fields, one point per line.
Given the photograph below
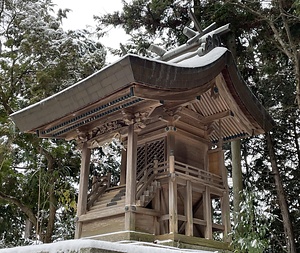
x=135 y=82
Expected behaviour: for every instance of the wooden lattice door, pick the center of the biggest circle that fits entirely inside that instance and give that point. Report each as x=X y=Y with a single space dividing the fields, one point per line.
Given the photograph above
x=150 y=151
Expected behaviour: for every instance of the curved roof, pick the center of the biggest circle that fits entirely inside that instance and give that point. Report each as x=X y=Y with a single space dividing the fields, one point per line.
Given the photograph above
x=150 y=79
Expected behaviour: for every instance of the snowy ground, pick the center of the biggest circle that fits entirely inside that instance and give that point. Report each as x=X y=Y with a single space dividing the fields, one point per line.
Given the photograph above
x=76 y=245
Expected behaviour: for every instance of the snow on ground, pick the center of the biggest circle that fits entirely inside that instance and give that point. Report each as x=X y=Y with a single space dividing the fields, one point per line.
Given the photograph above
x=76 y=245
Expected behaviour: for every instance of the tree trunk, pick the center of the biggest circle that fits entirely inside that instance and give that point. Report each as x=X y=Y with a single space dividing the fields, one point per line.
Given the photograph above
x=287 y=224
x=28 y=228
x=237 y=177
x=296 y=137
x=52 y=199
x=52 y=213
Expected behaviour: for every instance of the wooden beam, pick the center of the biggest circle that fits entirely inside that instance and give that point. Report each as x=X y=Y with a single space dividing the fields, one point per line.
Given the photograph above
x=217 y=116
x=188 y=206
x=83 y=187
x=130 y=197
x=191 y=114
x=226 y=95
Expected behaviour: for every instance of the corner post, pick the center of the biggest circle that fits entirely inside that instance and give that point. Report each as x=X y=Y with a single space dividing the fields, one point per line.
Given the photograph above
x=130 y=198
x=83 y=187
x=188 y=206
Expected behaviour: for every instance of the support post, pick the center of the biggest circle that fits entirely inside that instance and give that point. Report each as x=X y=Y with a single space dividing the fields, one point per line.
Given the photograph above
x=130 y=201
x=83 y=187
x=170 y=140
x=123 y=167
x=173 y=216
x=189 y=209
x=207 y=213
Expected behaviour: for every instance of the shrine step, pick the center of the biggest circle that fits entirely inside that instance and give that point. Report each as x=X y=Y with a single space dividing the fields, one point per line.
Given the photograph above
x=107 y=205
x=111 y=194
x=108 y=212
x=110 y=198
x=148 y=194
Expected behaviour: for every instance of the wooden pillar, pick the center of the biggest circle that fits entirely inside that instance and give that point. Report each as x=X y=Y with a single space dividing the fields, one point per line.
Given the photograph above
x=170 y=140
x=83 y=186
x=130 y=201
x=173 y=215
x=207 y=213
x=123 y=167
x=188 y=205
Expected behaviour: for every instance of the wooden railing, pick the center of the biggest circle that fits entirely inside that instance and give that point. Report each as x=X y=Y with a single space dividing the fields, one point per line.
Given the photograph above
x=145 y=178
x=189 y=172
x=194 y=172
x=99 y=185
x=158 y=170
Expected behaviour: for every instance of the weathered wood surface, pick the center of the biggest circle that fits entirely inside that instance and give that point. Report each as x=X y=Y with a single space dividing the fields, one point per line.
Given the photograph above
x=83 y=187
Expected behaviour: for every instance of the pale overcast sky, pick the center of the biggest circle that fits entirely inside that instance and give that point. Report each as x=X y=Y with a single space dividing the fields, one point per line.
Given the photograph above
x=81 y=15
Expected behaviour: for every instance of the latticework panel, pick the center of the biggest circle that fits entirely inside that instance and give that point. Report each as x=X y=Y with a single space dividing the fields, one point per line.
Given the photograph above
x=141 y=161
x=150 y=151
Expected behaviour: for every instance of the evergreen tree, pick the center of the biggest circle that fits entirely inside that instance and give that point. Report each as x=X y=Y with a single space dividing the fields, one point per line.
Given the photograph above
x=37 y=177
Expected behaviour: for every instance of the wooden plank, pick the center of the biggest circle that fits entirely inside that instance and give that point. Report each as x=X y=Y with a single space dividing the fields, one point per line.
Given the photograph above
x=199 y=180
x=157 y=206
x=207 y=213
x=218 y=227
x=104 y=226
x=130 y=200
x=109 y=212
x=163 y=225
x=83 y=187
x=145 y=223
x=214 y=163
x=192 y=137
x=152 y=136
x=191 y=240
x=199 y=222
x=188 y=204
x=165 y=217
x=226 y=95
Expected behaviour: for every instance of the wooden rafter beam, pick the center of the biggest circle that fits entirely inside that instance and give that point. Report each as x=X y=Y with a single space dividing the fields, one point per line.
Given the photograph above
x=217 y=116
x=191 y=114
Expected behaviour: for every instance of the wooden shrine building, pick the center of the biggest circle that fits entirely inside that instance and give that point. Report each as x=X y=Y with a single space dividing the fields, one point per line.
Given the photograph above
x=173 y=115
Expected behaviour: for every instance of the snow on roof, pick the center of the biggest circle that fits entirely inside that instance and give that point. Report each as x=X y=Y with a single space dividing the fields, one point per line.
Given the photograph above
x=76 y=245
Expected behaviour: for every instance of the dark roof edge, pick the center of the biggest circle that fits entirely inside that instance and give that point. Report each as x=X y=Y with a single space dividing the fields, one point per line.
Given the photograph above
x=245 y=98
